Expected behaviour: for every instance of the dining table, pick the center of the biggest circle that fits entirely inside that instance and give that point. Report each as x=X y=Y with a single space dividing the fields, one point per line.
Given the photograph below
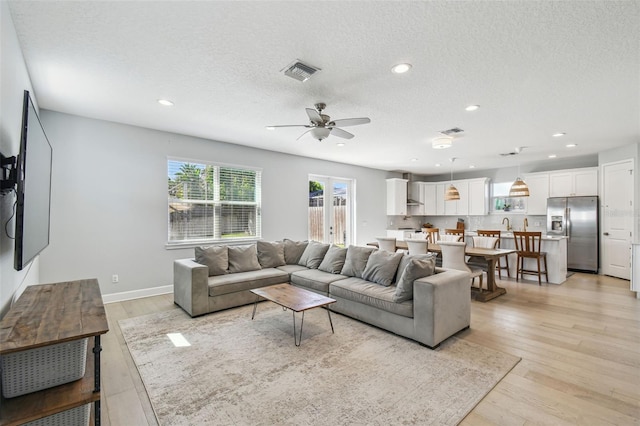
x=490 y=255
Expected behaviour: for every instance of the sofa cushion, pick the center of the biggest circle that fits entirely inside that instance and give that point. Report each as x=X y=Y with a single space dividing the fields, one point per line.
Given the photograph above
x=356 y=261
x=381 y=267
x=243 y=259
x=334 y=260
x=244 y=281
x=314 y=279
x=216 y=258
x=270 y=254
x=407 y=258
x=368 y=293
x=313 y=254
x=293 y=250
x=289 y=269
x=417 y=268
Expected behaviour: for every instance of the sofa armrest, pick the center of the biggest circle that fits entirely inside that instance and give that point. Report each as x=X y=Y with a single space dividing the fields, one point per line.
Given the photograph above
x=441 y=305
x=190 y=286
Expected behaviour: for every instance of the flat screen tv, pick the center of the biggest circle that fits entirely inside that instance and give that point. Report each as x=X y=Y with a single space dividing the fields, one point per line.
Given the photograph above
x=33 y=187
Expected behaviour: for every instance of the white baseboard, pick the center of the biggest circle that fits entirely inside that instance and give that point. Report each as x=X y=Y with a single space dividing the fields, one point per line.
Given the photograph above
x=136 y=294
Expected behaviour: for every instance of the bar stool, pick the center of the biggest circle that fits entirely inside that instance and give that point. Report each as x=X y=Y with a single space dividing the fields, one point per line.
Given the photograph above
x=528 y=247
x=433 y=234
x=456 y=231
x=499 y=267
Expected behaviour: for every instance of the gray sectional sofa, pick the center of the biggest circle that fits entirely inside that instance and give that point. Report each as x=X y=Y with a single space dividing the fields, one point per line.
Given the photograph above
x=407 y=295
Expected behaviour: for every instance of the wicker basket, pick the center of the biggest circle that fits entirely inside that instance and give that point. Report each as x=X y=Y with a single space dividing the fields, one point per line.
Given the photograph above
x=78 y=416
x=41 y=368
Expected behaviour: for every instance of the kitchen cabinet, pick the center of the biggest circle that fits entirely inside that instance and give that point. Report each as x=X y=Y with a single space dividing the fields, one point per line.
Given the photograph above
x=478 y=197
x=538 y=184
x=461 y=206
x=430 y=198
x=576 y=182
x=396 y=197
x=440 y=203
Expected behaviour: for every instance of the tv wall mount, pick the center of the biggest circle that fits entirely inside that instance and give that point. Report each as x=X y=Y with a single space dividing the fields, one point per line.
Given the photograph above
x=8 y=174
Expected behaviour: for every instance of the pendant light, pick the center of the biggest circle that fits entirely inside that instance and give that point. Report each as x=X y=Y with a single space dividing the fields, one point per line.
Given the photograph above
x=452 y=193
x=519 y=187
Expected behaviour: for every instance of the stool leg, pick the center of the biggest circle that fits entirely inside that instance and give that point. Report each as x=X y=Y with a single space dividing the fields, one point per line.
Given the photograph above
x=506 y=258
x=546 y=274
x=539 y=273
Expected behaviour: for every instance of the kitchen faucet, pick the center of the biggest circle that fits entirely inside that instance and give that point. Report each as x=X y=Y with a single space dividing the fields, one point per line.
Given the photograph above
x=525 y=224
x=508 y=225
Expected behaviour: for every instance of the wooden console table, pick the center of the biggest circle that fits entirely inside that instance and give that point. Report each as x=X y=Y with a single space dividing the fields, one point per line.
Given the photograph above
x=49 y=314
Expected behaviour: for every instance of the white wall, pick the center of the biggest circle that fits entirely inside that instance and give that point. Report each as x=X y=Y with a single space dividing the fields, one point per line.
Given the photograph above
x=109 y=199
x=14 y=79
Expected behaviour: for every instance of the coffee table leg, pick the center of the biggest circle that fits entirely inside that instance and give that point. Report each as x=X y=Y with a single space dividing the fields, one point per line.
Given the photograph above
x=297 y=340
x=330 y=322
x=255 y=304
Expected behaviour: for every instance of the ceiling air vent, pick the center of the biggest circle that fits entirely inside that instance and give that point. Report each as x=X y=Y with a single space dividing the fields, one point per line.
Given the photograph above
x=452 y=132
x=300 y=71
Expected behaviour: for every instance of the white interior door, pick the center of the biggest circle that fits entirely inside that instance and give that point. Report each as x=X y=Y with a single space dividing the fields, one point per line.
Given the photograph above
x=617 y=218
x=331 y=210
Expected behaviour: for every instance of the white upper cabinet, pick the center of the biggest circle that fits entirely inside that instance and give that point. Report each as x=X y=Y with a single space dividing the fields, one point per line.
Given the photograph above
x=461 y=206
x=538 y=184
x=478 y=197
x=430 y=198
x=569 y=183
x=396 y=197
x=440 y=202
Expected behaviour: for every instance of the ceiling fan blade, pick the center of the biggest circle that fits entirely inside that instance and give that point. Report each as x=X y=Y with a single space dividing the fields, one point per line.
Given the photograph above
x=350 y=121
x=341 y=133
x=298 y=138
x=289 y=125
x=314 y=116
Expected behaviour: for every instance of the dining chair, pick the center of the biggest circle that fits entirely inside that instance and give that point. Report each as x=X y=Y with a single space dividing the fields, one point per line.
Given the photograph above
x=456 y=231
x=417 y=246
x=528 y=247
x=453 y=258
x=482 y=242
x=433 y=234
x=499 y=266
x=387 y=244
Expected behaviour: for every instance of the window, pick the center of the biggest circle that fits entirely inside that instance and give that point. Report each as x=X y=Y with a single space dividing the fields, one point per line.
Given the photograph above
x=213 y=202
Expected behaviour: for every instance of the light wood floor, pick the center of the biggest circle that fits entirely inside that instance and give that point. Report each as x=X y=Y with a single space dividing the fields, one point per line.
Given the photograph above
x=579 y=344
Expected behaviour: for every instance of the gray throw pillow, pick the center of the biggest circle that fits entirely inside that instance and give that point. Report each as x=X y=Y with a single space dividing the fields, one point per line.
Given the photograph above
x=215 y=257
x=243 y=259
x=381 y=267
x=313 y=254
x=270 y=254
x=407 y=258
x=417 y=268
x=356 y=261
x=293 y=250
x=334 y=260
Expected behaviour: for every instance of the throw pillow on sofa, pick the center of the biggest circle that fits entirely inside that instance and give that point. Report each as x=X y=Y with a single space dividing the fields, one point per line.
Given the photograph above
x=313 y=255
x=407 y=258
x=356 y=261
x=216 y=258
x=381 y=267
x=417 y=268
x=270 y=254
x=293 y=251
x=334 y=260
x=243 y=259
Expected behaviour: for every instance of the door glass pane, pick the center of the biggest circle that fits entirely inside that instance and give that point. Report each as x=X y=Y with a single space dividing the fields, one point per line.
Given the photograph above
x=316 y=210
x=338 y=234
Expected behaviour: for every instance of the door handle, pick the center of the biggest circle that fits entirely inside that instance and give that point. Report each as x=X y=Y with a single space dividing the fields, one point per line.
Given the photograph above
x=605 y=233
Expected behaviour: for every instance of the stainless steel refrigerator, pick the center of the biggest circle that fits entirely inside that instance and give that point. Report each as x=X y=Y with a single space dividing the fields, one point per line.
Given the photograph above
x=577 y=218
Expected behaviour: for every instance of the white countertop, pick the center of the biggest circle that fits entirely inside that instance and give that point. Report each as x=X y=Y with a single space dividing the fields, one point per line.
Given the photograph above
x=510 y=235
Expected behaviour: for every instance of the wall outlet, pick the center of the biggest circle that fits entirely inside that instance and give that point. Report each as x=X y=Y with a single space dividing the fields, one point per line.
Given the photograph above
x=115 y=278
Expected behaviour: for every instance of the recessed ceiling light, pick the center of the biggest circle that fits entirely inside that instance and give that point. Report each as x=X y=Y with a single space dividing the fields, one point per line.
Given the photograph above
x=340 y=144
x=414 y=159
x=559 y=134
x=437 y=164
x=552 y=156
x=472 y=107
x=165 y=102
x=571 y=145
x=401 y=68
x=472 y=166
x=270 y=128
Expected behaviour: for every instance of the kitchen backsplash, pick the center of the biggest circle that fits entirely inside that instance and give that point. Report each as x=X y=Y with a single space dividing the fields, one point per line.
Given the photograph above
x=471 y=223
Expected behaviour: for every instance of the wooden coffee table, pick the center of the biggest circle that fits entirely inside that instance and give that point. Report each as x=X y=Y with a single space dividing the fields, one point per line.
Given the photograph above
x=295 y=298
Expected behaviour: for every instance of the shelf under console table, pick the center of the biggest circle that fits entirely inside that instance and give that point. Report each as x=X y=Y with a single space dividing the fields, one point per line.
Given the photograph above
x=49 y=314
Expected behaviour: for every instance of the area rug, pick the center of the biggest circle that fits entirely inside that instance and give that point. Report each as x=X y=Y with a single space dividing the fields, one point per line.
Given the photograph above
x=242 y=372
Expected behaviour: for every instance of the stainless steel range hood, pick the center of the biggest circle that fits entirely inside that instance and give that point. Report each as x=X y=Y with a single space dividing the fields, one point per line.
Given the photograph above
x=409 y=178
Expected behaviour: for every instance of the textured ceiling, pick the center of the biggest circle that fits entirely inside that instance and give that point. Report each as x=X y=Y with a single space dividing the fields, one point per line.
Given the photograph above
x=536 y=68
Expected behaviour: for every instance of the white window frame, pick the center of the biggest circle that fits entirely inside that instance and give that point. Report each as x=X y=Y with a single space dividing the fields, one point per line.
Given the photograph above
x=217 y=202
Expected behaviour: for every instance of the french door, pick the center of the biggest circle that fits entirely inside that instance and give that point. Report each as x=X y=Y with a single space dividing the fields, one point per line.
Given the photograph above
x=331 y=210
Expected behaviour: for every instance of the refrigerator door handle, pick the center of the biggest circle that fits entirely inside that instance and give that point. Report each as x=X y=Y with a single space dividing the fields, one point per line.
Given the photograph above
x=568 y=216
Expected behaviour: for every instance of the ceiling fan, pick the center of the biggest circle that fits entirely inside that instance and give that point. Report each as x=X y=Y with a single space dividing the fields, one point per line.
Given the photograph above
x=321 y=126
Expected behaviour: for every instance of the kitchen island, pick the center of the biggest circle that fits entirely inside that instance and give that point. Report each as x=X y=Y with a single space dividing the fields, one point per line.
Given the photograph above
x=554 y=246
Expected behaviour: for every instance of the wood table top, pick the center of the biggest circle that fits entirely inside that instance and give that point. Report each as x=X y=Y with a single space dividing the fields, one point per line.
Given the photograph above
x=471 y=251
x=295 y=298
x=53 y=313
